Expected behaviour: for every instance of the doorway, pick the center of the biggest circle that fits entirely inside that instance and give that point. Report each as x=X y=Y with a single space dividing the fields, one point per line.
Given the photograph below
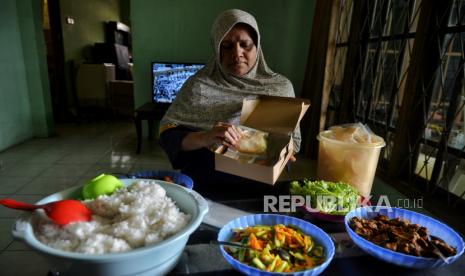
x=55 y=58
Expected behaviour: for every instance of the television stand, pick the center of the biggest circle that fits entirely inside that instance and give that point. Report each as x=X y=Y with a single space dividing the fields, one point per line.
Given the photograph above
x=149 y=112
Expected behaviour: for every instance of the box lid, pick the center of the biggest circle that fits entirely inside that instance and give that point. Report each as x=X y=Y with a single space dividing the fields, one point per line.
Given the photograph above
x=273 y=114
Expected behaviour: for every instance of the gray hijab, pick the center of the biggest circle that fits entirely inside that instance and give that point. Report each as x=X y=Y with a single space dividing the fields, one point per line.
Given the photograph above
x=212 y=95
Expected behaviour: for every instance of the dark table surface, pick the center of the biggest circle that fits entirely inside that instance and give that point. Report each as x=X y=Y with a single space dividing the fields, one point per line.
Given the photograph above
x=203 y=258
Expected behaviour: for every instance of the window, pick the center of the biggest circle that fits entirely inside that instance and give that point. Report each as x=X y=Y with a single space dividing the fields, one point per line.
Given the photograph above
x=398 y=67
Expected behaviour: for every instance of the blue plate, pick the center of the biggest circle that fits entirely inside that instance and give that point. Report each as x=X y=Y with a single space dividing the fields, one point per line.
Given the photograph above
x=435 y=228
x=316 y=233
x=177 y=177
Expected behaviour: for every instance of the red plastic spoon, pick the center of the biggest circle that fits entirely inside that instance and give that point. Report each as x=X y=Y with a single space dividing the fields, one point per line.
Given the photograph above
x=60 y=212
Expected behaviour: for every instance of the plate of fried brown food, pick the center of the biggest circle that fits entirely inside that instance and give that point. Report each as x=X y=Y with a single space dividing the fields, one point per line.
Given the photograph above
x=403 y=237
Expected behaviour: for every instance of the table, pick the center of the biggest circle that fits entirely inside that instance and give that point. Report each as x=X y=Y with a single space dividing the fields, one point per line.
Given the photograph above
x=203 y=258
x=149 y=112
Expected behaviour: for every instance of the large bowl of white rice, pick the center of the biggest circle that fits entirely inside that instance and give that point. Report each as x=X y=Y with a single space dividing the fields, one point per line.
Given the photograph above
x=141 y=229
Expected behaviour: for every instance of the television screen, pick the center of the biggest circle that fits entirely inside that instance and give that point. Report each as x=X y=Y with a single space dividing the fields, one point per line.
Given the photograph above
x=168 y=78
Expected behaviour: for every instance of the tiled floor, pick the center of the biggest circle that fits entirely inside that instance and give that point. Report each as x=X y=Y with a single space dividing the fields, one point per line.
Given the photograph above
x=39 y=167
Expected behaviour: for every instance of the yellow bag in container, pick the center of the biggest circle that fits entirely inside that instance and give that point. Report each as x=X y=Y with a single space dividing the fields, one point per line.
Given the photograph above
x=349 y=153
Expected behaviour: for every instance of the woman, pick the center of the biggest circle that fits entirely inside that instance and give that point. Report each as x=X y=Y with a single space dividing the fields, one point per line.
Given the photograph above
x=210 y=102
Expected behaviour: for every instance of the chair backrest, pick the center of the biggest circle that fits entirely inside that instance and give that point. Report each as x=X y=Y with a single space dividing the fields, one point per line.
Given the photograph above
x=114 y=53
x=122 y=56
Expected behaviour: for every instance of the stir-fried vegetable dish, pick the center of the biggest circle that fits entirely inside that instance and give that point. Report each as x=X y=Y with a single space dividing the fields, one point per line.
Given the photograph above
x=277 y=248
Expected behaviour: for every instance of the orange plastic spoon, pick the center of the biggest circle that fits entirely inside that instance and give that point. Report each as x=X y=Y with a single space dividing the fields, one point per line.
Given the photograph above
x=60 y=212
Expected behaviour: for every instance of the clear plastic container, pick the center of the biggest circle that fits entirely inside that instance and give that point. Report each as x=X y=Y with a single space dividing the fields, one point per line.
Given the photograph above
x=349 y=153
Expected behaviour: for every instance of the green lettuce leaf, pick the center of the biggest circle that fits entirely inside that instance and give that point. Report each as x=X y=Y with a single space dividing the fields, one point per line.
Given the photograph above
x=335 y=198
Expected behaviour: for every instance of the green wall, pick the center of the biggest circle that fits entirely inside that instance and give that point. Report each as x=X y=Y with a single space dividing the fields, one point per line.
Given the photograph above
x=178 y=31
x=25 y=107
x=88 y=28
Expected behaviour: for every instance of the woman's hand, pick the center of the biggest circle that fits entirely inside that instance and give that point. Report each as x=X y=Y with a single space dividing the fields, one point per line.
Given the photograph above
x=292 y=158
x=223 y=133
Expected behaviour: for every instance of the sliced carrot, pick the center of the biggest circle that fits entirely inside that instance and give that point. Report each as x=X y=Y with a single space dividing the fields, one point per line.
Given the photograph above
x=255 y=243
x=309 y=261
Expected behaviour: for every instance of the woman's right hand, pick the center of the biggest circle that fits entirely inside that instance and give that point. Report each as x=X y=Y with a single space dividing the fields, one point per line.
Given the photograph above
x=224 y=133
